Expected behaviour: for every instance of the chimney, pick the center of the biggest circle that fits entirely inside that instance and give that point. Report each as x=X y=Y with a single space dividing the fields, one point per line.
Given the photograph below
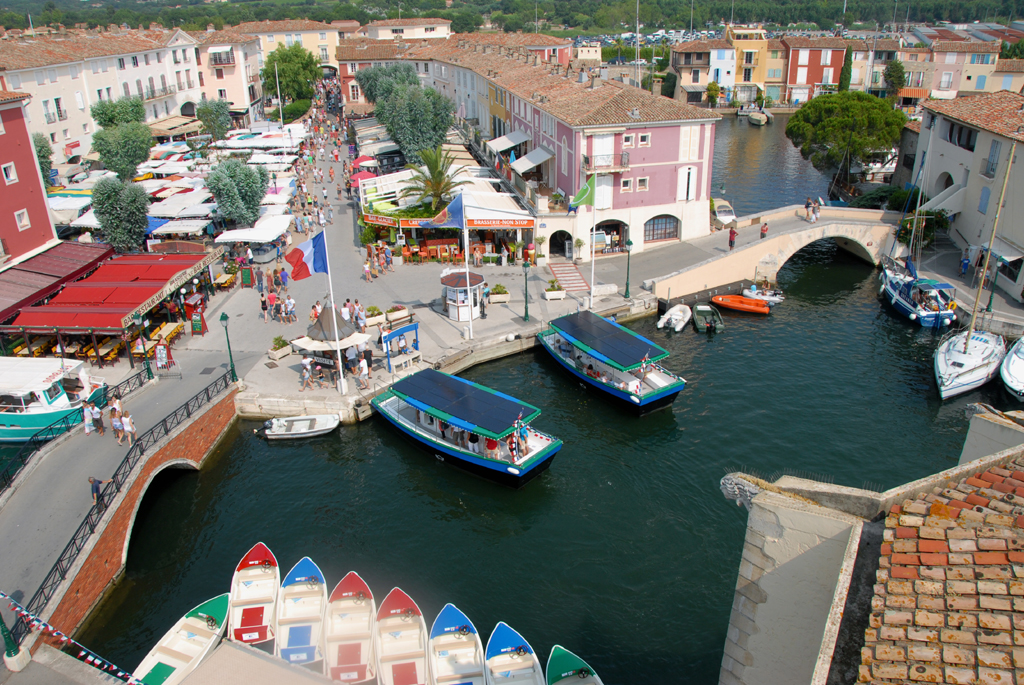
x=594 y=83
x=154 y=26
x=582 y=77
x=209 y=28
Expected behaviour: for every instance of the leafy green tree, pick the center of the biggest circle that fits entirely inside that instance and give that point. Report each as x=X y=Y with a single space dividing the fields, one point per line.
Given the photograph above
x=416 y=118
x=121 y=209
x=377 y=83
x=123 y=148
x=714 y=90
x=837 y=130
x=1015 y=51
x=297 y=69
x=466 y=21
x=846 y=73
x=216 y=117
x=895 y=78
x=111 y=113
x=238 y=190
x=513 y=23
x=668 y=84
x=434 y=182
x=43 y=152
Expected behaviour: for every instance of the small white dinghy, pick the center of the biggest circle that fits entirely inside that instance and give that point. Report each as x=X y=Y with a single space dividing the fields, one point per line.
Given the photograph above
x=254 y=589
x=350 y=642
x=772 y=296
x=677 y=317
x=456 y=653
x=1012 y=370
x=184 y=646
x=960 y=368
x=291 y=427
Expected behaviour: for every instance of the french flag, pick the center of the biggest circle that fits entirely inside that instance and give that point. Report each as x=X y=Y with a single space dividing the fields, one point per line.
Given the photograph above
x=308 y=258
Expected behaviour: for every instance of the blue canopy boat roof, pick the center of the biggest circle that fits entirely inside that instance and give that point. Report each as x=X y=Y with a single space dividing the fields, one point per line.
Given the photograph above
x=607 y=341
x=928 y=284
x=303 y=572
x=451 y=620
x=504 y=639
x=463 y=403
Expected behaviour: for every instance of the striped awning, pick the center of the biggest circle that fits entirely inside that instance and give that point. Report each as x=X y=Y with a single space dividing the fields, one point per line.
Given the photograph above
x=916 y=93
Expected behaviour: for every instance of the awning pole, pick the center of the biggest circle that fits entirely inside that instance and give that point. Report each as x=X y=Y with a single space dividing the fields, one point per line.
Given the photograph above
x=95 y=347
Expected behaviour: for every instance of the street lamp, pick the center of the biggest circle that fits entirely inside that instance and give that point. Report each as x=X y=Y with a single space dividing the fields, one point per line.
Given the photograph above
x=231 y=359
x=526 y=288
x=629 y=250
x=137 y=318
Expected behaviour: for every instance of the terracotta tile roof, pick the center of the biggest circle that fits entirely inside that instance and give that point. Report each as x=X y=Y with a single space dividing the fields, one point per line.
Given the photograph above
x=948 y=604
x=919 y=51
x=513 y=39
x=914 y=126
x=8 y=96
x=564 y=98
x=418 y=21
x=282 y=26
x=965 y=46
x=818 y=43
x=775 y=44
x=884 y=44
x=703 y=45
x=1001 y=112
x=230 y=36
x=41 y=51
x=1010 y=65
x=857 y=44
x=345 y=24
x=365 y=49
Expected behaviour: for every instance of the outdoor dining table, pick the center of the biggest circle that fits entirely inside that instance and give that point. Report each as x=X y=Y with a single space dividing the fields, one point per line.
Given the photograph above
x=149 y=346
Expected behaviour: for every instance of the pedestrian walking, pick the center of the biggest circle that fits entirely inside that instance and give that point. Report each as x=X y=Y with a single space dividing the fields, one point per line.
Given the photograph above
x=97 y=492
x=364 y=375
x=764 y=230
x=339 y=190
x=330 y=214
x=360 y=317
x=965 y=264
x=97 y=418
x=815 y=212
x=87 y=418
x=366 y=271
x=272 y=303
x=263 y=306
x=306 y=379
x=116 y=425
x=284 y=280
x=325 y=192
x=388 y=258
x=807 y=208
x=277 y=282
x=289 y=310
x=248 y=255
x=128 y=424
x=732 y=238
x=259 y=281
x=368 y=358
x=483 y=301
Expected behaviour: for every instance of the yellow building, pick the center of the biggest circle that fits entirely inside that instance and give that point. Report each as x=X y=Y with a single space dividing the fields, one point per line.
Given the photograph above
x=776 y=68
x=1009 y=75
x=318 y=38
x=751 y=44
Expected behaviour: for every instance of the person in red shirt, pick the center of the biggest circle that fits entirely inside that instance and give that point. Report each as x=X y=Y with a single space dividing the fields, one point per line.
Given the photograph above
x=271 y=300
x=491 y=447
x=732 y=238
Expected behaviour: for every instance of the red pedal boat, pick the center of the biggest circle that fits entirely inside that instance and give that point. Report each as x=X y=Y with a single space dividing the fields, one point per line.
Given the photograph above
x=742 y=304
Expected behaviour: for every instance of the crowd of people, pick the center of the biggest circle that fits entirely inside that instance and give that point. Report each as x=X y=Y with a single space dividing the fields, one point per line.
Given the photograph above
x=121 y=421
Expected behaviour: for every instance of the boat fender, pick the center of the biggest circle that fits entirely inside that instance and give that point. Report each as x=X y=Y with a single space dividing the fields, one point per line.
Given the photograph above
x=913 y=317
x=514 y=472
x=946 y=322
x=635 y=398
x=882 y=289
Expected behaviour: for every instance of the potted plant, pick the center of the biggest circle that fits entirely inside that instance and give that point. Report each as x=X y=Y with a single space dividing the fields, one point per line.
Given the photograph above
x=374 y=316
x=280 y=348
x=578 y=244
x=397 y=312
x=554 y=290
x=519 y=248
x=499 y=294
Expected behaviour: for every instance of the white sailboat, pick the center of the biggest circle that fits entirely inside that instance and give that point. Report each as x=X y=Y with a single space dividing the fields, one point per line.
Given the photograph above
x=1012 y=370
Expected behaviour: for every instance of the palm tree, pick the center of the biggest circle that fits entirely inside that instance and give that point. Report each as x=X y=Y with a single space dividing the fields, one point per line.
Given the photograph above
x=435 y=181
x=619 y=44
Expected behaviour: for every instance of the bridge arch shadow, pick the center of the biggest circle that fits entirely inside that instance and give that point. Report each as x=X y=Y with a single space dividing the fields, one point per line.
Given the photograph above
x=162 y=473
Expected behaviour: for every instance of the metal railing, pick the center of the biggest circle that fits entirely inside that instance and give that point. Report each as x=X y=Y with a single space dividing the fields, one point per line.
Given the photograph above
x=606 y=162
x=222 y=58
x=51 y=118
x=59 y=572
x=189 y=83
x=62 y=114
x=62 y=425
x=160 y=92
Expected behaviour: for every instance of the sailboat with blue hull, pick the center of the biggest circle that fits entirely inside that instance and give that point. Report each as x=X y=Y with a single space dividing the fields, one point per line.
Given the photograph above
x=929 y=302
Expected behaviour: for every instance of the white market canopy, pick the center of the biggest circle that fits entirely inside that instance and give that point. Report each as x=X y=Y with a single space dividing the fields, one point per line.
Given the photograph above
x=279 y=198
x=533 y=158
x=310 y=345
x=183 y=227
x=507 y=141
x=267 y=230
x=65 y=209
x=20 y=376
x=200 y=211
x=87 y=220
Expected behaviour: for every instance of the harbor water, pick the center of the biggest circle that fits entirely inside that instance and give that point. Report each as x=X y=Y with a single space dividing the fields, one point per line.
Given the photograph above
x=625 y=551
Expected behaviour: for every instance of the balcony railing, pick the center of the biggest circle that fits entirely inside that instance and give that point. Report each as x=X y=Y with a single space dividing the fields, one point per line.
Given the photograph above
x=51 y=118
x=189 y=83
x=988 y=168
x=606 y=163
x=222 y=58
x=162 y=91
x=62 y=114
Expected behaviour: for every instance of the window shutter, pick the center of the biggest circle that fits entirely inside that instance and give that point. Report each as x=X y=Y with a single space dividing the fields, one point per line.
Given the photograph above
x=695 y=142
x=983 y=201
x=684 y=142
x=79 y=99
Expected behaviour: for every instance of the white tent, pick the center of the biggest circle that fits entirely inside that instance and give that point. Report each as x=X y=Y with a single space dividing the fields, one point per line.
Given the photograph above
x=267 y=229
x=87 y=220
x=185 y=227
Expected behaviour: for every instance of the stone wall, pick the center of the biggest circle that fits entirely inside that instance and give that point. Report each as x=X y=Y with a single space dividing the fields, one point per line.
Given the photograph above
x=102 y=561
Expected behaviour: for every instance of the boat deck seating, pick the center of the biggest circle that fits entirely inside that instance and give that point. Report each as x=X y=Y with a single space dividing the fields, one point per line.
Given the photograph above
x=193 y=625
x=355 y=673
x=349 y=653
x=300 y=636
x=404 y=674
x=337 y=636
x=252 y=600
x=515 y=668
x=173 y=653
x=294 y=425
x=459 y=677
x=403 y=656
x=253 y=616
x=624 y=380
x=300 y=594
x=300 y=618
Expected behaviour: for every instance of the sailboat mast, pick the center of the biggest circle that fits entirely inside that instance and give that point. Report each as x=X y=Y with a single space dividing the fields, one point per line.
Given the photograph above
x=991 y=242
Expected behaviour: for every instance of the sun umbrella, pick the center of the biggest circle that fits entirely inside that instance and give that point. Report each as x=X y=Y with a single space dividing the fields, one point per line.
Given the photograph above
x=323 y=329
x=360 y=160
x=362 y=175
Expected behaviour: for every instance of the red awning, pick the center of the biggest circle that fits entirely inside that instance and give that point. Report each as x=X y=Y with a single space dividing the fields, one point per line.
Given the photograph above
x=39 y=277
x=916 y=93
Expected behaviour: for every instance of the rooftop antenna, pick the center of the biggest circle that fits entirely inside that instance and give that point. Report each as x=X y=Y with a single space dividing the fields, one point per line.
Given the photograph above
x=536 y=21
x=636 y=62
x=399 y=11
x=691 y=17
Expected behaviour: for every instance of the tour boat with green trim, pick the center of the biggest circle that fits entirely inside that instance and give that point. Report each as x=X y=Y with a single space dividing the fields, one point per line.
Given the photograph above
x=478 y=429
x=565 y=667
x=254 y=588
x=184 y=646
x=36 y=393
x=613 y=359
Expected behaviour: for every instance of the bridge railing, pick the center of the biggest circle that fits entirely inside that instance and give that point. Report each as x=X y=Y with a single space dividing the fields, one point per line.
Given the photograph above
x=60 y=570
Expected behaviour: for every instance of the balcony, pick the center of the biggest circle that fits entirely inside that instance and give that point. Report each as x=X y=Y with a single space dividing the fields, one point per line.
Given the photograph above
x=163 y=91
x=988 y=168
x=189 y=84
x=606 y=164
x=324 y=59
x=51 y=118
x=253 y=78
x=62 y=114
x=222 y=59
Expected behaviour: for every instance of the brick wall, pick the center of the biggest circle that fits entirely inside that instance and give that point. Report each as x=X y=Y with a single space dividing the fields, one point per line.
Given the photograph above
x=189 y=445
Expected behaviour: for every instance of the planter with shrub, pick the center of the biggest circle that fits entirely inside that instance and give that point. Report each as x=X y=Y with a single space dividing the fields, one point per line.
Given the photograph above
x=280 y=348
x=554 y=291
x=499 y=294
x=374 y=316
x=397 y=312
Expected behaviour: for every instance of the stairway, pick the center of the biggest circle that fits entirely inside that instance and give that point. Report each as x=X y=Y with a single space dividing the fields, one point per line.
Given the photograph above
x=568 y=276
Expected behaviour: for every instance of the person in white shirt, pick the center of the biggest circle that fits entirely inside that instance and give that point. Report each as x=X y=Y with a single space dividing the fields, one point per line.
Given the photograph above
x=364 y=375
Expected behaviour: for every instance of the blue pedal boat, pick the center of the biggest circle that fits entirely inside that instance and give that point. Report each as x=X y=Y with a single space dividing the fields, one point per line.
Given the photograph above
x=301 y=606
x=613 y=359
x=455 y=419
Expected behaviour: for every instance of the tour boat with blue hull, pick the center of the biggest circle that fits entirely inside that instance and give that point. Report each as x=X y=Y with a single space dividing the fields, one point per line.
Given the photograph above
x=930 y=303
x=37 y=393
x=455 y=419
x=613 y=359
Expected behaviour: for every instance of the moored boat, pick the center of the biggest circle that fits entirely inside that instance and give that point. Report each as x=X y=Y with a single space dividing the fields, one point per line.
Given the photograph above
x=676 y=317
x=707 y=319
x=401 y=642
x=613 y=359
x=740 y=303
x=966 y=360
x=291 y=427
x=929 y=302
x=1012 y=370
x=565 y=667
x=350 y=632
x=36 y=393
x=301 y=605
x=772 y=295
x=511 y=659
x=184 y=646
x=254 y=588
x=757 y=118
x=456 y=653
x=456 y=420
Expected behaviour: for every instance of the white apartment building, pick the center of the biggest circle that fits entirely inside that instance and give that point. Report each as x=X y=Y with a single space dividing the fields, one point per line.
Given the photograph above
x=408 y=29
x=318 y=38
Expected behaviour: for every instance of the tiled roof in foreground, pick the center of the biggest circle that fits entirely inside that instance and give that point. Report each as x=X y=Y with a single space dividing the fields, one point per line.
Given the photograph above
x=949 y=600
x=1001 y=112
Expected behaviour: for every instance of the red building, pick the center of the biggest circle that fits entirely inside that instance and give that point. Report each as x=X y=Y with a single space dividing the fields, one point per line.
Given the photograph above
x=25 y=222
x=814 y=66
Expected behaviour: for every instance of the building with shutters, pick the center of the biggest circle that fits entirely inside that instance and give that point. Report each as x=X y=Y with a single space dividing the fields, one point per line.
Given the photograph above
x=814 y=65
x=408 y=29
x=320 y=39
x=229 y=69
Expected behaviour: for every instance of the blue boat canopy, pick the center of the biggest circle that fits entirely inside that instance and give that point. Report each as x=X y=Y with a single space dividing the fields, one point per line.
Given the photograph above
x=464 y=403
x=927 y=284
x=607 y=341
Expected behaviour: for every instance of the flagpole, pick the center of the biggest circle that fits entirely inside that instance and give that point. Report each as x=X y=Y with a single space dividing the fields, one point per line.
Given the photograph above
x=465 y=253
x=342 y=385
x=593 y=251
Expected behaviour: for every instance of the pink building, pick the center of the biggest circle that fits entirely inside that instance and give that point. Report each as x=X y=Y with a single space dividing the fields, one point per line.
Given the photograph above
x=229 y=69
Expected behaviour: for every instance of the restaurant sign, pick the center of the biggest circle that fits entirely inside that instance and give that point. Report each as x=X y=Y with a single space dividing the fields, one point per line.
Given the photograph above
x=500 y=223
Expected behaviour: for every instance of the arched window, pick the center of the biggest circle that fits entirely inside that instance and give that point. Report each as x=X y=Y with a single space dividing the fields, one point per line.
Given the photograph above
x=664 y=227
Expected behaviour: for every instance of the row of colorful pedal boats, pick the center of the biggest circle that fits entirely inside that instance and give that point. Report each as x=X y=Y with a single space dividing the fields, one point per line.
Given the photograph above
x=707 y=319
x=344 y=635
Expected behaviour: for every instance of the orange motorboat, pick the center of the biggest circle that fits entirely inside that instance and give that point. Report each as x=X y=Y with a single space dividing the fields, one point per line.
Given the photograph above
x=742 y=304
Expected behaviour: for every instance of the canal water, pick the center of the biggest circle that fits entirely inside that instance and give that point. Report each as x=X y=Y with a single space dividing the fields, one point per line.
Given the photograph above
x=625 y=551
